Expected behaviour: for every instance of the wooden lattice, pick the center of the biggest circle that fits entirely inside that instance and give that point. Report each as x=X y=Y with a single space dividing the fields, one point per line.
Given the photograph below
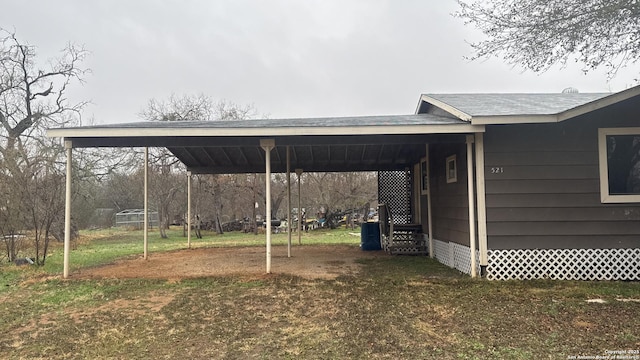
x=564 y=264
x=400 y=238
x=395 y=190
x=405 y=243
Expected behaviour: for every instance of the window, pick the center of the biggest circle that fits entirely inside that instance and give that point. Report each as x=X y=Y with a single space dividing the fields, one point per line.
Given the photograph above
x=452 y=169
x=424 y=176
x=619 y=157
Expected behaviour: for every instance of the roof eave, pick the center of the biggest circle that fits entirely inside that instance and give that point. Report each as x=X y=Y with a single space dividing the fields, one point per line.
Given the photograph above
x=600 y=103
x=513 y=119
x=71 y=133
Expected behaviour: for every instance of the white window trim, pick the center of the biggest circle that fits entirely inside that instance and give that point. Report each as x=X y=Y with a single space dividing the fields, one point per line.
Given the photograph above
x=454 y=178
x=605 y=197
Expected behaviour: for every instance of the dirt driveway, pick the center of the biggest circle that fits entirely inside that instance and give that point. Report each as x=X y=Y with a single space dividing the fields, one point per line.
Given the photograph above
x=312 y=262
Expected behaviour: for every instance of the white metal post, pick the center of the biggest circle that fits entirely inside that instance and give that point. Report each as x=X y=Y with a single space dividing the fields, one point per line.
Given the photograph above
x=146 y=204
x=288 y=203
x=472 y=213
x=268 y=145
x=189 y=209
x=67 y=211
x=429 y=217
x=299 y=173
x=482 y=208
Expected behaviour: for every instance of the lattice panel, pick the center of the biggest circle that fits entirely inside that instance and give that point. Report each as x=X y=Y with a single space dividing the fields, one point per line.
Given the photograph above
x=564 y=264
x=455 y=256
x=395 y=190
x=441 y=252
x=461 y=258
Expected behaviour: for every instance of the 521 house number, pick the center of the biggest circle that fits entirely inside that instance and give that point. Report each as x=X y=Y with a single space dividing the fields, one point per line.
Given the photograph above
x=497 y=170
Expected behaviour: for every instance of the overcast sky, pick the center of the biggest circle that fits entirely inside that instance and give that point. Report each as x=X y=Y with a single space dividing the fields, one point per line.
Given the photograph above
x=289 y=58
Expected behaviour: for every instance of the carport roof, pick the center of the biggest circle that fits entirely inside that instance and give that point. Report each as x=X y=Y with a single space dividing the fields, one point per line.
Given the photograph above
x=363 y=143
x=380 y=124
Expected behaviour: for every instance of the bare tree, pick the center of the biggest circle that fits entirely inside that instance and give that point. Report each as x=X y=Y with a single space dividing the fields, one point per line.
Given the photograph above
x=537 y=34
x=334 y=193
x=166 y=184
x=32 y=98
x=179 y=108
x=190 y=108
x=225 y=110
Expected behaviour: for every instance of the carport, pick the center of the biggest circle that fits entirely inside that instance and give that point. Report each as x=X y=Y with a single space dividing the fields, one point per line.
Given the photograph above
x=370 y=143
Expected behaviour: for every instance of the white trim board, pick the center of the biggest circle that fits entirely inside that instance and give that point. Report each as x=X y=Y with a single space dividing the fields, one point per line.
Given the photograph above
x=261 y=131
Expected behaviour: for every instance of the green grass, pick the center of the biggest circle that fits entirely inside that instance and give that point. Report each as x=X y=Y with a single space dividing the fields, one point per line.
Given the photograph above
x=396 y=307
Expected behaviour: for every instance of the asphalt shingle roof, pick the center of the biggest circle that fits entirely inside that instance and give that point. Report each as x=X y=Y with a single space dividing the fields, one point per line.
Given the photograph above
x=516 y=104
x=378 y=120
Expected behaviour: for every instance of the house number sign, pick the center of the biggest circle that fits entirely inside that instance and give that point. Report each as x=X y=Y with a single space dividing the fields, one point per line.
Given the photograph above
x=497 y=170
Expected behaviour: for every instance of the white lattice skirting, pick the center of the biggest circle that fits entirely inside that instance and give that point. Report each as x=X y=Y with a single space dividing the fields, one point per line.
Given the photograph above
x=454 y=255
x=564 y=264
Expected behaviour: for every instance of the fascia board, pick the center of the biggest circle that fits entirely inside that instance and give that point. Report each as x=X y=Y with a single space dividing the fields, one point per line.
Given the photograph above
x=264 y=132
x=513 y=119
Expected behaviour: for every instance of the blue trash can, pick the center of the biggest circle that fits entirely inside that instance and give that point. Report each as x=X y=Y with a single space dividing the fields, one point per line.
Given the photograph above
x=370 y=236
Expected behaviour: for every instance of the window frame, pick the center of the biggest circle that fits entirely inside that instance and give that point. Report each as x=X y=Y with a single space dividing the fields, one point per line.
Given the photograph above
x=605 y=196
x=451 y=159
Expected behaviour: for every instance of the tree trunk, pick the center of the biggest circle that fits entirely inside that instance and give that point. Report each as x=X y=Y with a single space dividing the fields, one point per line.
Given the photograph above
x=198 y=227
x=161 y=222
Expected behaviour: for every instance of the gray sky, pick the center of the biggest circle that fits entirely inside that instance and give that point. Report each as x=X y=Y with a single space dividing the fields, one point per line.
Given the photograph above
x=289 y=58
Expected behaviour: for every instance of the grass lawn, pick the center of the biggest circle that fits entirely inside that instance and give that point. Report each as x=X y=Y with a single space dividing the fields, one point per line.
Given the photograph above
x=396 y=307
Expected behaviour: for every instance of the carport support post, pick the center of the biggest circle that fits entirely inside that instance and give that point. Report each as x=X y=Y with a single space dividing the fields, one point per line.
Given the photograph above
x=482 y=208
x=189 y=209
x=299 y=173
x=429 y=218
x=472 y=213
x=146 y=204
x=288 y=203
x=268 y=145
x=67 y=211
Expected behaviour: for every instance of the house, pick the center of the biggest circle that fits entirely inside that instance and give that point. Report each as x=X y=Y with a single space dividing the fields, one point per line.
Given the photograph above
x=561 y=185
x=510 y=186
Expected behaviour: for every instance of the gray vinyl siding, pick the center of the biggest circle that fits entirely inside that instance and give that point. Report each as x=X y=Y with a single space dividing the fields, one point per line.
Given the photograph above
x=549 y=193
x=450 y=202
x=424 y=211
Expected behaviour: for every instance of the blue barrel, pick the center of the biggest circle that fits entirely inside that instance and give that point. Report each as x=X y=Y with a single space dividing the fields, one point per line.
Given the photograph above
x=370 y=236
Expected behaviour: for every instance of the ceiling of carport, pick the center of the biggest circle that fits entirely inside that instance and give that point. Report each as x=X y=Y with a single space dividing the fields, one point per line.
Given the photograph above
x=312 y=154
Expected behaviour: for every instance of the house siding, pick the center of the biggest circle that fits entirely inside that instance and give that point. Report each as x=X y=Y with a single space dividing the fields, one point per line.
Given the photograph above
x=542 y=185
x=450 y=202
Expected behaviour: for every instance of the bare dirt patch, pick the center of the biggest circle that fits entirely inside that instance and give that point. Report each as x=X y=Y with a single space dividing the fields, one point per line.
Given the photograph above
x=311 y=262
